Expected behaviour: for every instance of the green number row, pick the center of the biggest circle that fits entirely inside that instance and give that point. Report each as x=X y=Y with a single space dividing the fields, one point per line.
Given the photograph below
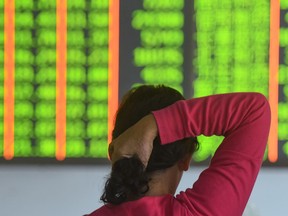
x=25 y=91
x=46 y=148
x=47 y=110
x=75 y=75
x=47 y=56
x=157 y=19
x=47 y=19
x=157 y=56
x=47 y=128
x=48 y=5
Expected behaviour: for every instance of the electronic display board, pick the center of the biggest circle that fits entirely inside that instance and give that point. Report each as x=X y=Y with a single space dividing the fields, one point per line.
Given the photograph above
x=232 y=52
x=56 y=76
x=159 y=50
x=36 y=72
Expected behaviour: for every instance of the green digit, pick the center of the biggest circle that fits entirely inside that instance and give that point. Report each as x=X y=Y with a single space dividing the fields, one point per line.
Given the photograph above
x=22 y=147
x=75 y=128
x=151 y=19
x=98 y=148
x=76 y=75
x=45 y=128
x=75 y=110
x=46 y=57
x=46 y=147
x=45 y=110
x=99 y=4
x=99 y=37
x=76 y=57
x=23 y=109
x=75 y=148
x=199 y=89
x=203 y=4
x=75 y=93
x=23 y=74
x=23 y=91
x=97 y=93
x=46 y=92
x=163 y=4
x=99 y=56
x=24 y=57
x=46 y=75
x=97 y=111
x=76 y=19
x=24 y=5
x=23 y=128
x=47 y=18
x=171 y=38
x=204 y=21
x=76 y=4
x=100 y=19
x=97 y=74
x=223 y=36
x=23 y=38
x=46 y=5
x=162 y=75
x=146 y=56
x=75 y=38
x=97 y=129
x=24 y=20
x=46 y=38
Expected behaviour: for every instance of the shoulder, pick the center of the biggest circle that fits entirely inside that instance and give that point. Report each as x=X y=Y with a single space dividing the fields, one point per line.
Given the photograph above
x=100 y=211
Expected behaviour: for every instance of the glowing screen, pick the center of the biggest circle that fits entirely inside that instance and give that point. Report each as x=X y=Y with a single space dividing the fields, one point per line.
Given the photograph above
x=232 y=52
x=157 y=53
x=54 y=100
x=35 y=86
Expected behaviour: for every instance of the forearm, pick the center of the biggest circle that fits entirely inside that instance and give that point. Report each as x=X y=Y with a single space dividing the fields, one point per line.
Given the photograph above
x=244 y=119
x=216 y=115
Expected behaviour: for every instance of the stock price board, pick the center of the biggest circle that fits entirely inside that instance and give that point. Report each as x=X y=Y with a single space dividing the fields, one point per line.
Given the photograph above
x=199 y=47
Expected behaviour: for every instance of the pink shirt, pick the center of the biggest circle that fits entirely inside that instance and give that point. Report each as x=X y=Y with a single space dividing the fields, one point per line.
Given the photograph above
x=223 y=189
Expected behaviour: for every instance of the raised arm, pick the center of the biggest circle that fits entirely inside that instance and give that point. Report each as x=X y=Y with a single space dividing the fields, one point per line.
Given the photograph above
x=244 y=120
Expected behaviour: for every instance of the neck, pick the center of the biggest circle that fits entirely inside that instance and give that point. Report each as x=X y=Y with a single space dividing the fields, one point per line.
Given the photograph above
x=164 y=182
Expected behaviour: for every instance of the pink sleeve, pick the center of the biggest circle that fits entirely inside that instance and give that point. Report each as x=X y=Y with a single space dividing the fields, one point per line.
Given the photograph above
x=244 y=120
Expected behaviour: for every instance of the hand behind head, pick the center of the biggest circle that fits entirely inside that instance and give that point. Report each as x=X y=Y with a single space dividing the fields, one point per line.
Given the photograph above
x=136 y=140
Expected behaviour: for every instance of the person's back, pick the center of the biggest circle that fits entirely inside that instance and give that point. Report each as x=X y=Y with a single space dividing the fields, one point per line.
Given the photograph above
x=158 y=205
x=222 y=189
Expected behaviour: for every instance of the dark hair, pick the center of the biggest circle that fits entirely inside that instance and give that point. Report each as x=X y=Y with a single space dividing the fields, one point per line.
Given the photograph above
x=129 y=179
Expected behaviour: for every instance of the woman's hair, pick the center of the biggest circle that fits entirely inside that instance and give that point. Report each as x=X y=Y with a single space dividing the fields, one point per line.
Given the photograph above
x=129 y=179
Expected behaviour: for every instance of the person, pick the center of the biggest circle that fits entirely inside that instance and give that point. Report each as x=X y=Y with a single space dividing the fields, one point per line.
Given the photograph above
x=153 y=140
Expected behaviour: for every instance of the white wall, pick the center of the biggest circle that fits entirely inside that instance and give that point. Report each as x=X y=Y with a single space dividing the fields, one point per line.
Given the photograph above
x=75 y=190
